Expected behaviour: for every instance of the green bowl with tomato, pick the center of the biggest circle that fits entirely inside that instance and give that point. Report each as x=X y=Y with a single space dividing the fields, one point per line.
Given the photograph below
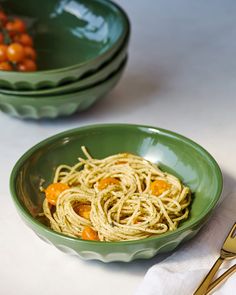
x=100 y=75
x=174 y=153
x=72 y=39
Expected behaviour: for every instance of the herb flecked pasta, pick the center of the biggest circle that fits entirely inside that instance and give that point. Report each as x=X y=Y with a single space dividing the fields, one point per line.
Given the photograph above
x=118 y=198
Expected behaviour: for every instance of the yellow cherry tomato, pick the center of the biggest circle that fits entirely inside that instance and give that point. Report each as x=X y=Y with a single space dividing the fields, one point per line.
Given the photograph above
x=3 y=53
x=27 y=65
x=5 y=66
x=83 y=210
x=103 y=183
x=53 y=191
x=159 y=186
x=15 y=52
x=89 y=234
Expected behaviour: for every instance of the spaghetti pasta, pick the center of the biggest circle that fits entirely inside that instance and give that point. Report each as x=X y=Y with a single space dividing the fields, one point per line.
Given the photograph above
x=121 y=197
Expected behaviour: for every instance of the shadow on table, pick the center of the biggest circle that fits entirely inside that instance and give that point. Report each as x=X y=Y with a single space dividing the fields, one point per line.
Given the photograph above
x=140 y=267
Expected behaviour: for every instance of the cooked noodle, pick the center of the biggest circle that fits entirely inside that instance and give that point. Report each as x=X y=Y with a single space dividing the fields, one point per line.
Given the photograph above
x=125 y=208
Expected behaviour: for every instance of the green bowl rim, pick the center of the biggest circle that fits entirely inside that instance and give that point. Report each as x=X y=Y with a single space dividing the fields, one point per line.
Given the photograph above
x=146 y=128
x=78 y=65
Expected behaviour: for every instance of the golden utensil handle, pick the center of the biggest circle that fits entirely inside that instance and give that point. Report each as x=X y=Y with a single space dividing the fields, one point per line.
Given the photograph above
x=202 y=289
x=222 y=278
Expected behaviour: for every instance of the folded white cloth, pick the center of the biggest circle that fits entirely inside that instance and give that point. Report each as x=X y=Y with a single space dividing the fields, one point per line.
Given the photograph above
x=160 y=280
x=182 y=272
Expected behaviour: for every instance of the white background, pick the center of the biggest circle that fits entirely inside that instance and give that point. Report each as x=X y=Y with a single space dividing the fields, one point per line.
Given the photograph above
x=181 y=76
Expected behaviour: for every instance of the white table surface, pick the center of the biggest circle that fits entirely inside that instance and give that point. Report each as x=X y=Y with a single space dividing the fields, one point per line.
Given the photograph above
x=181 y=76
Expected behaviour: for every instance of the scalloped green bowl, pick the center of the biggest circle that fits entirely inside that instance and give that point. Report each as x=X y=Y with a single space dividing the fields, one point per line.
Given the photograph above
x=173 y=152
x=54 y=106
x=72 y=39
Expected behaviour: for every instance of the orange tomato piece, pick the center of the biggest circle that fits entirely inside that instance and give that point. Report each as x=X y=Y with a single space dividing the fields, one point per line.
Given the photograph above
x=5 y=66
x=30 y=52
x=135 y=220
x=16 y=26
x=121 y=162
x=1 y=38
x=3 y=18
x=3 y=52
x=159 y=186
x=19 y=25
x=27 y=65
x=53 y=191
x=89 y=234
x=15 y=52
x=24 y=39
x=103 y=183
x=10 y=26
x=83 y=210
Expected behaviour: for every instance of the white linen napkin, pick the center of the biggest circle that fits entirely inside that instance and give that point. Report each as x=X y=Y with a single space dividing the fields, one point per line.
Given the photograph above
x=182 y=272
x=161 y=280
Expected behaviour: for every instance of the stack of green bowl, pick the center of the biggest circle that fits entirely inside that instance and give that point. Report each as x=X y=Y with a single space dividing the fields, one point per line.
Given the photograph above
x=82 y=51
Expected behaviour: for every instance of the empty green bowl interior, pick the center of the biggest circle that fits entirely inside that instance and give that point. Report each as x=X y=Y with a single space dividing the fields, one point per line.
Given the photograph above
x=174 y=153
x=69 y=32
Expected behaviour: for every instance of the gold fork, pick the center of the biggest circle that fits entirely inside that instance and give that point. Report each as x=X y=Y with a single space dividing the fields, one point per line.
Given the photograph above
x=227 y=252
x=221 y=279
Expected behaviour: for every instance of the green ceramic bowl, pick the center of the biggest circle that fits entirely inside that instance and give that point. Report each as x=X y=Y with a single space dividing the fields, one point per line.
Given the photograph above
x=58 y=105
x=173 y=152
x=100 y=75
x=72 y=39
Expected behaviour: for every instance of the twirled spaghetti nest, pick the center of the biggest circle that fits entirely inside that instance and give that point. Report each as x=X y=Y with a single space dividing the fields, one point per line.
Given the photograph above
x=128 y=197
